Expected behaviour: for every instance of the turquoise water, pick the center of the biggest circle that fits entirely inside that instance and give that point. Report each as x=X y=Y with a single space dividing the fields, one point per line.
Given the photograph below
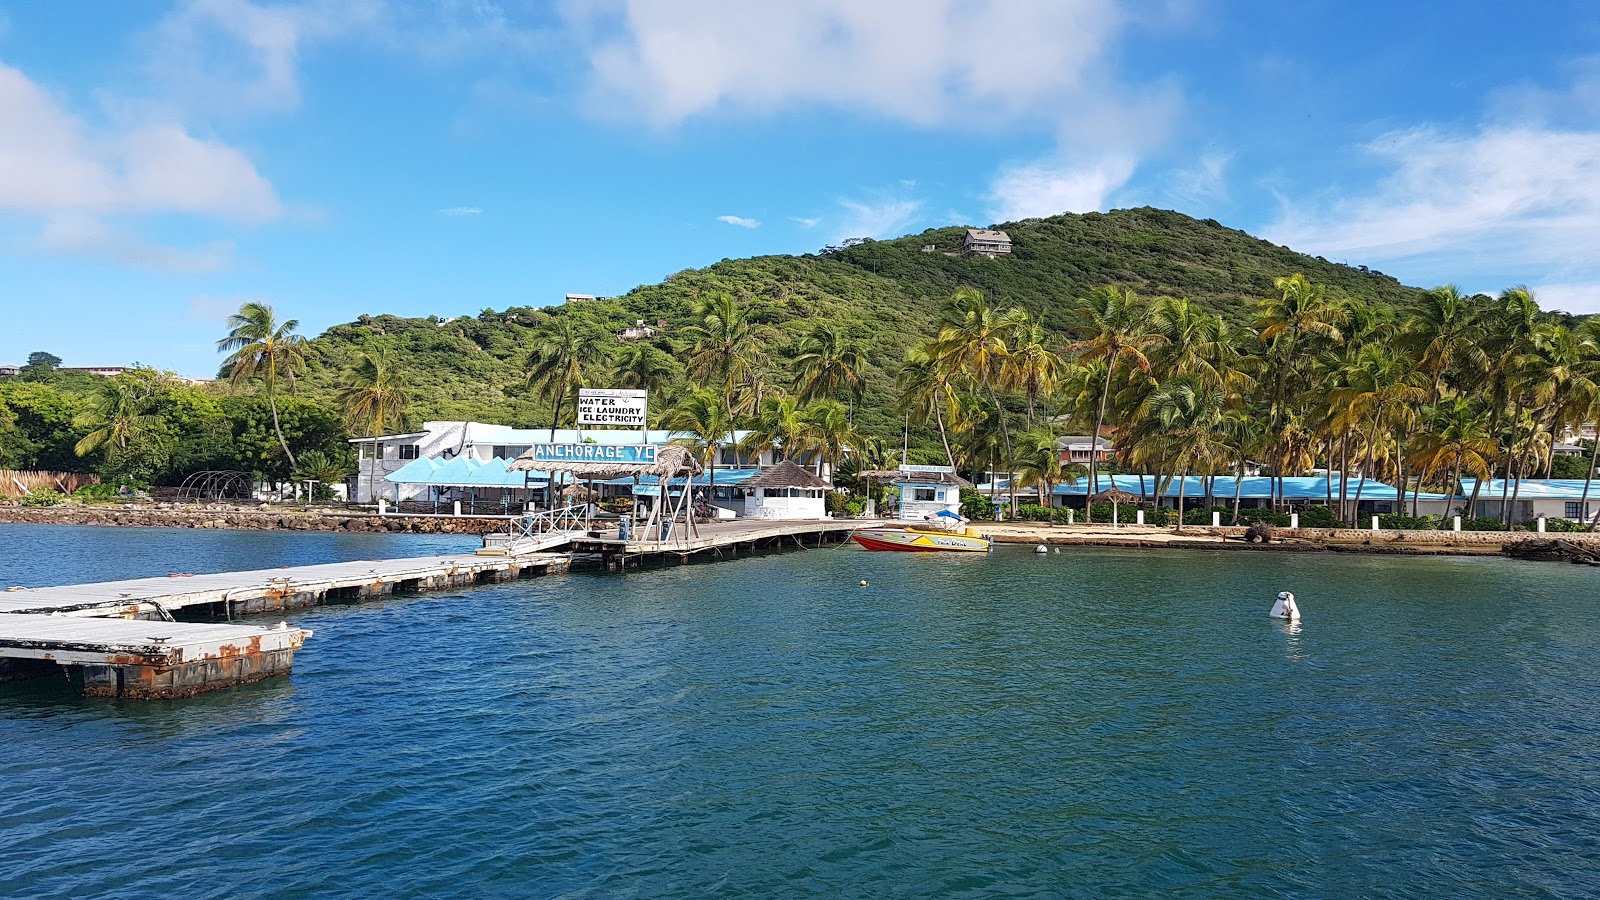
x=1089 y=723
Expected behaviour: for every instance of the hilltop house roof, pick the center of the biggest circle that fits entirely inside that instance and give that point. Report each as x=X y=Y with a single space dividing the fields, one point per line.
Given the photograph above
x=985 y=234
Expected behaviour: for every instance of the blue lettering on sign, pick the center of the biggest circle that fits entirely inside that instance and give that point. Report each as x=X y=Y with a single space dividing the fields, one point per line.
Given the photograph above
x=638 y=454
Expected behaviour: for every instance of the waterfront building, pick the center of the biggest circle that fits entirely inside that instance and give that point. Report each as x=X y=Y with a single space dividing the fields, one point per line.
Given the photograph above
x=928 y=490
x=448 y=461
x=1549 y=498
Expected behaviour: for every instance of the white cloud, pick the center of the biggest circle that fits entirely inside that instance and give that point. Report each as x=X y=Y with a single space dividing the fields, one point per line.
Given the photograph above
x=1572 y=297
x=1205 y=180
x=1515 y=194
x=877 y=219
x=76 y=234
x=51 y=162
x=235 y=56
x=938 y=62
x=461 y=211
x=805 y=221
x=740 y=221
x=1047 y=189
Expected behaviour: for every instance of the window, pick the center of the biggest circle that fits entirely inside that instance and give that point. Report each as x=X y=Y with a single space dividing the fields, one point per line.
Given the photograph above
x=922 y=495
x=1574 y=511
x=408 y=451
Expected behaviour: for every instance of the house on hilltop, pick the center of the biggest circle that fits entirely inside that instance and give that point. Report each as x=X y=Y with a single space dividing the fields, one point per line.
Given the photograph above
x=639 y=331
x=985 y=242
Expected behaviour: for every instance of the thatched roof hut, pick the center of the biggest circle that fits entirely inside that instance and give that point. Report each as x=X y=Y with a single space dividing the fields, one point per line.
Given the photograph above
x=786 y=475
x=1113 y=495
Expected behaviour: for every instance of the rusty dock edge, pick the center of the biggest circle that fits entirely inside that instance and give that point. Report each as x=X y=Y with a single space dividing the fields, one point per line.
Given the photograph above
x=148 y=660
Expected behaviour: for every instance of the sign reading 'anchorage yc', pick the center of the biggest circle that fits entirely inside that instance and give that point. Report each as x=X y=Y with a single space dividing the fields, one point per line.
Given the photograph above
x=612 y=406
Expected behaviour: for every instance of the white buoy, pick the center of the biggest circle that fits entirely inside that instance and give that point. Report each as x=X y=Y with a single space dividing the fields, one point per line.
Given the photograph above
x=1285 y=608
x=1041 y=549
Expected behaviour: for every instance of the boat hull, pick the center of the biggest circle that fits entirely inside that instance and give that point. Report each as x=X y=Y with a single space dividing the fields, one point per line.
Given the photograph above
x=906 y=540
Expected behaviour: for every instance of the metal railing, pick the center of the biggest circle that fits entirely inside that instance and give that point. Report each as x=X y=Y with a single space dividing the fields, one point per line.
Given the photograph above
x=538 y=524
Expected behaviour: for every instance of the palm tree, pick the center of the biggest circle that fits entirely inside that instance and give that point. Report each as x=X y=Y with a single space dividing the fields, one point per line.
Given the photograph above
x=314 y=465
x=374 y=397
x=1443 y=329
x=1382 y=385
x=974 y=341
x=1301 y=308
x=646 y=368
x=1040 y=465
x=828 y=433
x=1189 y=418
x=703 y=419
x=1590 y=367
x=260 y=345
x=778 y=425
x=1111 y=329
x=559 y=364
x=1031 y=366
x=925 y=392
x=827 y=365
x=1457 y=440
x=724 y=351
x=119 y=413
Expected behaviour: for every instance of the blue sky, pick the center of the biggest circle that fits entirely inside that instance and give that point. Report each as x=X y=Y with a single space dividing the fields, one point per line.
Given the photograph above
x=161 y=162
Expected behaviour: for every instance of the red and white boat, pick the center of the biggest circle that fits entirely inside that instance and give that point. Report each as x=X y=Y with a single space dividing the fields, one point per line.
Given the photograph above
x=921 y=538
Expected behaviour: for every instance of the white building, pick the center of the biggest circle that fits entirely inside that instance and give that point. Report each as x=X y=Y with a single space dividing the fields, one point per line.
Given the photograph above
x=785 y=491
x=928 y=490
x=1075 y=448
x=482 y=442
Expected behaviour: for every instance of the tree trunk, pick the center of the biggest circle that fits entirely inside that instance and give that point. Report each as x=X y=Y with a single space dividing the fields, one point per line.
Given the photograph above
x=1455 y=479
x=938 y=415
x=1238 y=489
x=1005 y=436
x=1372 y=443
x=1588 y=477
x=1094 y=440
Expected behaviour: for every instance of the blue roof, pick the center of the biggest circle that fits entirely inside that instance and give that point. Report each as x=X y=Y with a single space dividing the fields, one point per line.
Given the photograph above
x=1258 y=487
x=1533 y=488
x=463 y=471
x=724 y=478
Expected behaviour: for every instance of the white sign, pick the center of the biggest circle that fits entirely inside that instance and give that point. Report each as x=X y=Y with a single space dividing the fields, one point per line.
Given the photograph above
x=612 y=406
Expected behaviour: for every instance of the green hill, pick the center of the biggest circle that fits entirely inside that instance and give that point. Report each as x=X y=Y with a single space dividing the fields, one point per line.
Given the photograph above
x=883 y=294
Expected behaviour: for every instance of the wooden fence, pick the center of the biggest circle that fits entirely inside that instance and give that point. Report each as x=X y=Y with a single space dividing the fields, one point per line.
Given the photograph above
x=18 y=484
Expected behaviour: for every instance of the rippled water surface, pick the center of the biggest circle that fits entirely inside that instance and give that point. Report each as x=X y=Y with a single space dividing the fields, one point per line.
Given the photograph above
x=1089 y=723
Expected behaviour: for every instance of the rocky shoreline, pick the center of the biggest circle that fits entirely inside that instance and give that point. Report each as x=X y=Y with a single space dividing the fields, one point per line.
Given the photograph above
x=248 y=518
x=1351 y=540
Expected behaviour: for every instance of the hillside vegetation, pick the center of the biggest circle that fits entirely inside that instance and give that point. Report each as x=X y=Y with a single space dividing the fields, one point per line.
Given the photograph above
x=884 y=296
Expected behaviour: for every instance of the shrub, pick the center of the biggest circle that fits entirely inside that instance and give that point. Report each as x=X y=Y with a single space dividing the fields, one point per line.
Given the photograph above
x=976 y=506
x=1032 y=512
x=1402 y=522
x=1318 y=517
x=1565 y=525
x=92 y=492
x=42 y=498
x=1482 y=524
x=1263 y=516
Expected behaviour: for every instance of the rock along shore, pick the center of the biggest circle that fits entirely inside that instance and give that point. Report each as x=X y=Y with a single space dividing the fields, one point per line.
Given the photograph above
x=1412 y=542
x=248 y=518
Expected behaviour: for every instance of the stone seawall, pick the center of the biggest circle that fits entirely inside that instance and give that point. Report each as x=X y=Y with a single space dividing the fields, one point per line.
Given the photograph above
x=256 y=519
x=1402 y=541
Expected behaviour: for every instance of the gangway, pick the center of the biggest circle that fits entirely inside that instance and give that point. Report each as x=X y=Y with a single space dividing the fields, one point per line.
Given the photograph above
x=539 y=532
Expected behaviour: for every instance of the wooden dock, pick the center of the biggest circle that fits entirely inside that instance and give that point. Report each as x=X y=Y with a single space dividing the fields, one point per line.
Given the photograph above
x=122 y=638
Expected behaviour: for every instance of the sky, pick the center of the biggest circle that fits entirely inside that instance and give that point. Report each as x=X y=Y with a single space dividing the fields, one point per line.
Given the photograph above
x=163 y=162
